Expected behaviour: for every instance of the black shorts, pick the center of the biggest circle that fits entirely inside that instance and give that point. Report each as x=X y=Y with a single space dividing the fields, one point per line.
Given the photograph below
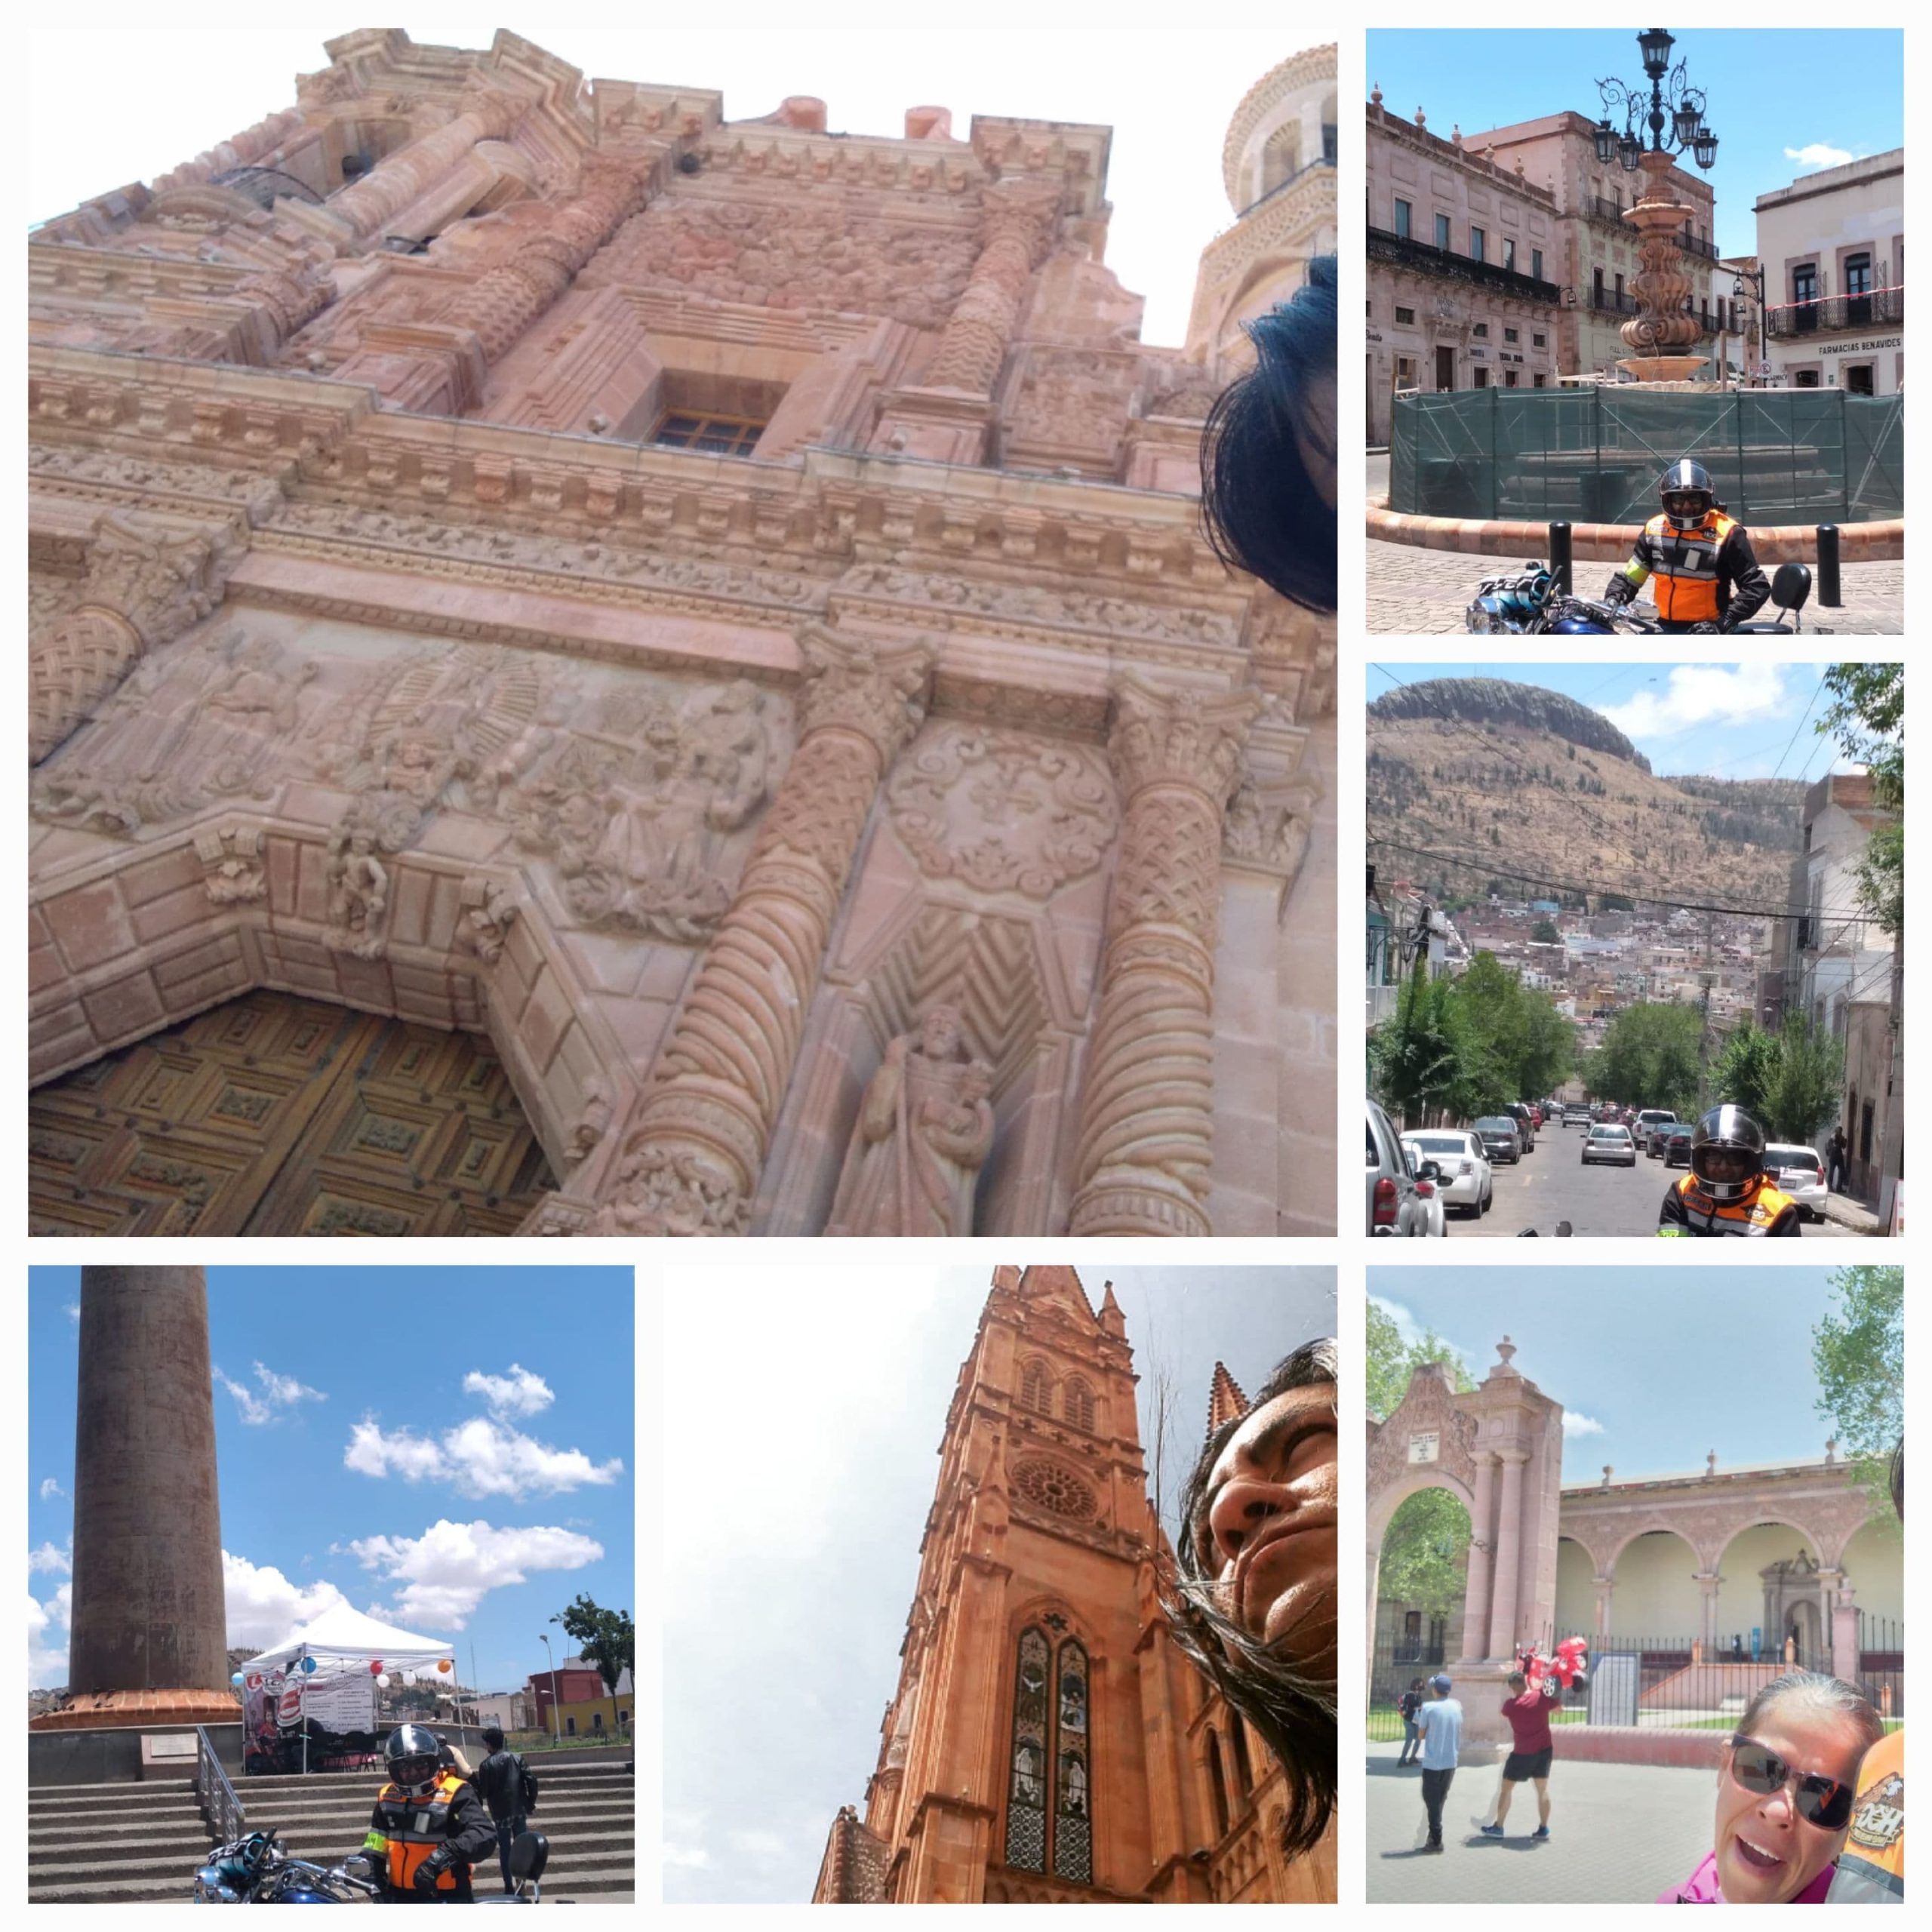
x=1523 y=1765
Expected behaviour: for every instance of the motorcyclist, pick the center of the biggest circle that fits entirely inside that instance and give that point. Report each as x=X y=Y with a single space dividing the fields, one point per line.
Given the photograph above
x=1707 y=581
x=1727 y=1191
x=429 y=1826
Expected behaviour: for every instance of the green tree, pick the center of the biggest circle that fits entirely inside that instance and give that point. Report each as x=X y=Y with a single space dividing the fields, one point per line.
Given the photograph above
x=1649 y=1058
x=1744 y=1069
x=605 y=1637
x=1858 y=1355
x=1392 y=1360
x=1807 y=1082
x=1544 y=933
x=1414 y=1052
x=1867 y=716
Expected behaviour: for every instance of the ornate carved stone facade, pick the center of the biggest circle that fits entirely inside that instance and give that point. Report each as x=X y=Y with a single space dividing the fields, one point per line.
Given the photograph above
x=679 y=597
x=1042 y=1543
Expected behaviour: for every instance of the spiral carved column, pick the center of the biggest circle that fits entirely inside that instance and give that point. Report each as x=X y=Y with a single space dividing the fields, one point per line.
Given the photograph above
x=692 y=1165
x=973 y=345
x=488 y=115
x=1147 y=1103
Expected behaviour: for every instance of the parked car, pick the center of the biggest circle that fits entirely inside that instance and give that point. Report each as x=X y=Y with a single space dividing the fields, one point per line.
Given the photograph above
x=1610 y=1146
x=1526 y=1122
x=1502 y=1139
x=1576 y=1114
x=1646 y=1123
x=1800 y=1172
x=1428 y=1178
x=1395 y=1208
x=1677 y=1146
x=1468 y=1180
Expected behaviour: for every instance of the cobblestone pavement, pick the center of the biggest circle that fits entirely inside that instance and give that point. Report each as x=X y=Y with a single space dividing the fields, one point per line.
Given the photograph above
x=1425 y=593
x=1619 y=1833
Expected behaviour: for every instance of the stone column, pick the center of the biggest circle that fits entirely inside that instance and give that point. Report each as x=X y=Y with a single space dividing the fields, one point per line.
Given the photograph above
x=1604 y=1586
x=238 y=151
x=366 y=209
x=692 y=1164
x=1503 y=1631
x=1482 y=1544
x=973 y=346
x=1829 y=1583
x=1708 y=1583
x=1841 y=1634
x=1147 y=1099
x=146 y=583
x=149 y=1628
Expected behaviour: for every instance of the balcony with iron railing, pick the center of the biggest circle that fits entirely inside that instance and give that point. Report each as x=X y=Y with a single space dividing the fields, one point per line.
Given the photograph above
x=1696 y=244
x=1884 y=308
x=1403 y=251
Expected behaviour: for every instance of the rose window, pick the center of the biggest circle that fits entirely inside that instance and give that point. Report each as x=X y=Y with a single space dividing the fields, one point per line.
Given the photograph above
x=1055 y=1489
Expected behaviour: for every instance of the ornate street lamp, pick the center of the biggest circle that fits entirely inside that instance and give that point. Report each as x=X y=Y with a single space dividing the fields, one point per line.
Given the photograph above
x=1663 y=118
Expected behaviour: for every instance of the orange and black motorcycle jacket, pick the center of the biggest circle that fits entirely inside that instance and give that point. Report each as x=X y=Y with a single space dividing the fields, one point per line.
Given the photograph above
x=1689 y=1208
x=1704 y=575
x=452 y=1817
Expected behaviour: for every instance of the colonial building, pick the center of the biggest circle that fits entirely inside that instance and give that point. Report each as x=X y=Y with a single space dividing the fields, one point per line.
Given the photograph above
x=596 y=665
x=1833 y=245
x=1462 y=267
x=1278 y=165
x=1595 y=258
x=1047 y=1743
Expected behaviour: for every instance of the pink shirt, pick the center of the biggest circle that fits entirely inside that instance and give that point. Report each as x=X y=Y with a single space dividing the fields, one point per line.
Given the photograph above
x=1701 y=1887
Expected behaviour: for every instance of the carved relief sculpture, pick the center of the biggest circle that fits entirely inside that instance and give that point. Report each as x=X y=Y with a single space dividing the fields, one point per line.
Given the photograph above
x=924 y=1126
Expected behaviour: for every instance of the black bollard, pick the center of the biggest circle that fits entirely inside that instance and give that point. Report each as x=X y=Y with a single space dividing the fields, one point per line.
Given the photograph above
x=1559 y=558
x=1828 y=566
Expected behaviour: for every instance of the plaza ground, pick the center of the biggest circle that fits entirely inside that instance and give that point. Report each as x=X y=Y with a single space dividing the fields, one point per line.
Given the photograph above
x=1550 y=1184
x=1619 y=1833
x=1426 y=592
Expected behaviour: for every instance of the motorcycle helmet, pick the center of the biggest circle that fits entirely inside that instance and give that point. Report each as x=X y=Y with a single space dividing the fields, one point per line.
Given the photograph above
x=1727 y=1152
x=413 y=1755
x=1687 y=494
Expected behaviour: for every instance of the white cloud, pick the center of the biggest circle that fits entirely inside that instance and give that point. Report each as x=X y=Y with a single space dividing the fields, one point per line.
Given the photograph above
x=758 y=1845
x=50 y=1487
x=73 y=1309
x=451 y=1567
x=264 y=1606
x=478 y=1457
x=1701 y=694
x=1576 y=1424
x=278 y=1391
x=519 y=1393
x=1408 y=1330
x=248 y=1405
x=1818 y=154
x=683 y=1831
x=47 y=1660
x=47 y=1558
x=284 y=1388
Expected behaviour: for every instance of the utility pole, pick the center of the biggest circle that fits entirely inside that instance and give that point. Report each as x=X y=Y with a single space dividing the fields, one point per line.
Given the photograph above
x=1704 y=1026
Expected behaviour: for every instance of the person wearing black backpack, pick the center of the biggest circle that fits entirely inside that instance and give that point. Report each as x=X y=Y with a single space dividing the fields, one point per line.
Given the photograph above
x=508 y=1787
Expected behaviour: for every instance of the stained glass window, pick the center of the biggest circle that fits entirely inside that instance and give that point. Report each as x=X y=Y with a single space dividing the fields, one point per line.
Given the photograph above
x=1027 y=1789
x=1077 y=1404
x=1035 y=1390
x=1073 y=1823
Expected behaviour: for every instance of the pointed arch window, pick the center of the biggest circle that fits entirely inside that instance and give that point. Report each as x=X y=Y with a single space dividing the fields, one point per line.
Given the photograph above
x=1243 y=1772
x=1035 y=1391
x=1217 y=1780
x=1049 y=1788
x=1077 y=1404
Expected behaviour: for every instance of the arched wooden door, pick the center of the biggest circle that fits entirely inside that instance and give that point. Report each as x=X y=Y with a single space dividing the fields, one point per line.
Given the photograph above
x=275 y=1115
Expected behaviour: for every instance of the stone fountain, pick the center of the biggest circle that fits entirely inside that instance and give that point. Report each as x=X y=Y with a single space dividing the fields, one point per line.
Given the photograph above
x=1662 y=324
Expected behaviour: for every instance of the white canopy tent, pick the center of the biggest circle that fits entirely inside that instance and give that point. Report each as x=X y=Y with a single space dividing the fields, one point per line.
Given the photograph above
x=342 y=1638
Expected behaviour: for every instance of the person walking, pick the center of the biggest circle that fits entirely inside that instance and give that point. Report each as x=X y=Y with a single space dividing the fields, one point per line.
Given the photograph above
x=1440 y=1721
x=500 y=1780
x=1409 y=1703
x=1835 y=1153
x=1527 y=1709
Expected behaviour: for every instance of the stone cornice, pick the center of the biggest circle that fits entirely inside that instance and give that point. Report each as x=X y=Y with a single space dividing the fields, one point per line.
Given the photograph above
x=738 y=154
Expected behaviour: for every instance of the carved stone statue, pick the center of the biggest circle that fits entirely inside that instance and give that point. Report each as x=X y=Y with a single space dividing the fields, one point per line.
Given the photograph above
x=924 y=1126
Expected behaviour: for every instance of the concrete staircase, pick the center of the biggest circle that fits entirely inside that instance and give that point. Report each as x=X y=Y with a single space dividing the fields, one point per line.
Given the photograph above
x=140 y=1843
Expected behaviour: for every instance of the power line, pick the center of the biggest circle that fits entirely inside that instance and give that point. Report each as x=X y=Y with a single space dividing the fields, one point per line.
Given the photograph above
x=1800 y=725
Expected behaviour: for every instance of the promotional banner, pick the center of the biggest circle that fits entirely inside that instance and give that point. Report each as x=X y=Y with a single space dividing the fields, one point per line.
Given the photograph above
x=338 y=1706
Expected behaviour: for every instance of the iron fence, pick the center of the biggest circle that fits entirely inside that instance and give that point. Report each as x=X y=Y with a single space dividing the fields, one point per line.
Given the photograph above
x=1406 y=252
x=1401 y=1656
x=1882 y=1665
x=1884 y=308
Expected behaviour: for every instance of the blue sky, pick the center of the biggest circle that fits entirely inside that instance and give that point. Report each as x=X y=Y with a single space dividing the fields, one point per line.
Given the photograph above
x=1783 y=101
x=1654 y=1367
x=1713 y=721
x=795 y=1564
x=326 y=1377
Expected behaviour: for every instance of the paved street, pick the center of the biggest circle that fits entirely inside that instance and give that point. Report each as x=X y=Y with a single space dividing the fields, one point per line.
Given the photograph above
x=1552 y=1185
x=1619 y=1833
x=1425 y=592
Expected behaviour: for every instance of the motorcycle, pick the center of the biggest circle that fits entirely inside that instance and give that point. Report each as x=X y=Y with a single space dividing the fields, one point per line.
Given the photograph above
x=257 y=1870
x=1530 y=602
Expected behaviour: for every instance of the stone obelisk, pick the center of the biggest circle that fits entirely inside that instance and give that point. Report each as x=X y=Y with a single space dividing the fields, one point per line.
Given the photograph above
x=149 y=1630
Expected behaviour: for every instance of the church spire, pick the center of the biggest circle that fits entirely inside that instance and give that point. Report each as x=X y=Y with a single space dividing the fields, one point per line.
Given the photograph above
x=1226 y=1403
x=1112 y=1321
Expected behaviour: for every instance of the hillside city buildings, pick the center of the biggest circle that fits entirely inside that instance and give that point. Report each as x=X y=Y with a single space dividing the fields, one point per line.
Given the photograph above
x=598 y=665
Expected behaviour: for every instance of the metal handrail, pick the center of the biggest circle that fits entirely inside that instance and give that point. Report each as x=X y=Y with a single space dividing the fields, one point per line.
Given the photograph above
x=216 y=1796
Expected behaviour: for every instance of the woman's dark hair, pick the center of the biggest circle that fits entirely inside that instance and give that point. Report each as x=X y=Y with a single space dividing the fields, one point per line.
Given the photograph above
x=1263 y=507
x=1832 y=1695
x=1294 y=1714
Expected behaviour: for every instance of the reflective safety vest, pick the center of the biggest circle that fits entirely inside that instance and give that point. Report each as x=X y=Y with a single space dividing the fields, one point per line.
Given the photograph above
x=1871 y=1869
x=1691 y=1208
x=1684 y=564
x=412 y=1827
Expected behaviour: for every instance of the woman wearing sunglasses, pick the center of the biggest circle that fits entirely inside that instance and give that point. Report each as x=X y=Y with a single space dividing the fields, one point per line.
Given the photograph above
x=1785 y=1795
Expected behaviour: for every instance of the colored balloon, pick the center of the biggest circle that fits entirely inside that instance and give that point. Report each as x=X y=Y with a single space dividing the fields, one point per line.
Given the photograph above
x=445 y=1665
x=308 y=1666
x=375 y=1666
x=236 y=1679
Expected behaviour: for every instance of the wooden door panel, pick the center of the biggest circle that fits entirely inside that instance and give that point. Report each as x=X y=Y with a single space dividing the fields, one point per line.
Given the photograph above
x=273 y=1115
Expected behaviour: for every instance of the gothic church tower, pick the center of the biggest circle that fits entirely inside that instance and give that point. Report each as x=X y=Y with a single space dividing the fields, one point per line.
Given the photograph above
x=1046 y=1743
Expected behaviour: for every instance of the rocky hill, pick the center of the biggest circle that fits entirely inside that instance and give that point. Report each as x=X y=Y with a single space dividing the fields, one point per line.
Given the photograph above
x=1505 y=776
